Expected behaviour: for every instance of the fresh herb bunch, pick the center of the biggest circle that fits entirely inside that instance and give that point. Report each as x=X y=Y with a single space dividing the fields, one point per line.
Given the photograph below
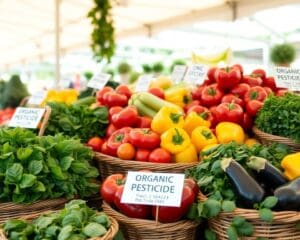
x=77 y=121
x=75 y=222
x=281 y=116
x=34 y=168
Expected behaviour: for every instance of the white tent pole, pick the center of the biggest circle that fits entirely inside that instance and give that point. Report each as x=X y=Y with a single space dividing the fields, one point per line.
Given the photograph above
x=57 y=43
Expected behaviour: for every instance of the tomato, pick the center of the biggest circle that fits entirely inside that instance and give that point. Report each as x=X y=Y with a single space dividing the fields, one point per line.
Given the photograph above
x=191 y=104
x=105 y=150
x=101 y=92
x=95 y=143
x=252 y=81
x=143 y=122
x=259 y=73
x=229 y=112
x=142 y=155
x=190 y=182
x=127 y=117
x=144 y=138
x=213 y=113
x=228 y=98
x=268 y=90
x=227 y=78
x=126 y=151
x=197 y=93
x=211 y=74
x=255 y=93
x=160 y=155
x=116 y=139
x=124 y=90
x=112 y=111
x=211 y=95
x=240 y=90
x=253 y=107
x=112 y=99
x=247 y=122
x=173 y=214
x=239 y=67
x=270 y=82
x=110 y=130
x=281 y=92
x=110 y=186
x=158 y=92
x=131 y=210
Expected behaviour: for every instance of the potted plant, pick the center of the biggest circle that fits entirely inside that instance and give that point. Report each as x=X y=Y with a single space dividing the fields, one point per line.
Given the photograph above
x=147 y=68
x=283 y=54
x=157 y=68
x=124 y=69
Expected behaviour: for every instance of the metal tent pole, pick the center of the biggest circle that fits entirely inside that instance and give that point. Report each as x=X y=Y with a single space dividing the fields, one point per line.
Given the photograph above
x=57 y=43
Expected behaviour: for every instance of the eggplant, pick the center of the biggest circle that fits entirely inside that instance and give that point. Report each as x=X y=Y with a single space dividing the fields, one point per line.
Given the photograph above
x=266 y=173
x=288 y=195
x=248 y=191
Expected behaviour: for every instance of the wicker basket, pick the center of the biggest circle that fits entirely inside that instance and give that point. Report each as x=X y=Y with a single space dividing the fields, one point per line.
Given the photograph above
x=283 y=226
x=268 y=139
x=141 y=229
x=109 y=165
x=112 y=231
x=11 y=210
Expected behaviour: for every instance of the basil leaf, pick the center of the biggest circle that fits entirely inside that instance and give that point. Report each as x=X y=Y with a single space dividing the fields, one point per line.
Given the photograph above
x=65 y=233
x=24 y=153
x=269 y=202
x=94 y=230
x=27 y=180
x=35 y=167
x=14 y=173
x=266 y=214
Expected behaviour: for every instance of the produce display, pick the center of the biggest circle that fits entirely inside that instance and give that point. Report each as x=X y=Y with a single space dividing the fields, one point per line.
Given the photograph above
x=34 y=168
x=75 y=221
x=112 y=189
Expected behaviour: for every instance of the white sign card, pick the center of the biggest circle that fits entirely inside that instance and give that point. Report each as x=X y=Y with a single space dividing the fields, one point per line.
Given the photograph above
x=287 y=78
x=178 y=73
x=37 y=98
x=143 y=83
x=156 y=189
x=26 y=117
x=99 y=80
x=196 y=74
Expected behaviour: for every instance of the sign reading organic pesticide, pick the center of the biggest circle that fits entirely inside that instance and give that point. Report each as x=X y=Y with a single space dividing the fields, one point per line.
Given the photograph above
x=157 y=189
x=287 y=78
x=143 y=83
x=26 y=117
x=178 y=73
x=196 y=74
x=99 y=80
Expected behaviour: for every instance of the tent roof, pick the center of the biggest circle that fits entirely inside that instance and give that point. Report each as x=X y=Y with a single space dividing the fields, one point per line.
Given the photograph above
x=28 y=31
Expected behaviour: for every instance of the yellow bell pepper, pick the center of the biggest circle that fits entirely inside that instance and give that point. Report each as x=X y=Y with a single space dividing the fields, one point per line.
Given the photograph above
x=167 y=117
x=178 y=95
x=161 y=82
x=175 y=140
x=291 y=165
x=227 y=132
x=194 y=120
x=186 y=156
x=251 y=142
x=203 y=136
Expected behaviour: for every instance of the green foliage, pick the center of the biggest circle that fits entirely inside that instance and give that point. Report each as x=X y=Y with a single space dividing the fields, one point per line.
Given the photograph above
x=147 y=68
x=133 y=77
x=34 y=168
x=158 y=67
x=75 y=221
x=88 y=75
x=103 y=39
x=124 y=67
x=283 y=53
x=77 y=121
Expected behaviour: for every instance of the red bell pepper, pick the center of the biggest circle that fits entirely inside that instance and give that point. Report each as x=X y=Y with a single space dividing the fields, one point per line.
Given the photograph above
x=116 y=139
x=247 y=122
x=112 y=99
x=110 y=186
x=211 y=95
x=202 y=112
x=229 y=112
x=101 y=92
x=229 y=98
x=110 y=130
x=197 y=92
x=253 y=107
x=228 y=78
x=240 y=90
x=143 y=122
x=144 y=138
x=191 y=104
x=270 y=82
x=255 y=93
x=252 y=81
x=211 y=75
x=127 y=117
x=114 y=110
x=259 y=73
x=124 y=90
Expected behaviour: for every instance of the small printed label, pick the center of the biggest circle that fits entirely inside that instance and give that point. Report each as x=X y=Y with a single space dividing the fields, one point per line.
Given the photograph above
x=26 y=117
x=196 y=74
x=143 y=83
x=37 y=98
x=99 y=80
x=156 y=189
x=287 y=78
x=178 y=73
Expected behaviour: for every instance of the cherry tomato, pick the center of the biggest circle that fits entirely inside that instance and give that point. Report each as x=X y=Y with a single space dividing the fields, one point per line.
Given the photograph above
x=160 y=155
x=95 y=143
x=158 y=92
x=253 y=107
x=124 y=90
x=101 y=92
x=142 y=155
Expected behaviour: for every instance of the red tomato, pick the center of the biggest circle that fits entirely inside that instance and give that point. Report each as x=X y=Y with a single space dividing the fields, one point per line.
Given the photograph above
x=173 y=214
x=252 y=81
x=190 y=182
x=211 y=74
x=144 y=138
x=110 y=130
x=253 y=107
x=268 y=90
x=110 y=186
x=238 y=66
x=160 y=155
x=112 y=99
x=256 y=93
x=101 y=92
x=124 y=90
x=247 y=122
x=143 y=122
x=281 y=92
x=131 y=210
x=105 y=150
x=229 y=112
x=240 y=90
x=214 y=120
x=229 y=98
x=142 y=155
x=197 y=92
x=158 y=92
x=126 y=151
x=197 y=109
x=211 y=95
x=116 y=139
x=191 y=104
x=113 y=110
x=228 y=78
x=259 y=73
x=95 y=143
x=127 y=117
x=270 y=82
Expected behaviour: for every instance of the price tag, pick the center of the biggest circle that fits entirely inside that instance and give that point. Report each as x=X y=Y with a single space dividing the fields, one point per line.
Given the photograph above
x=26 y=117
x=37 y=98
x=196 y=74
x=157 y=189
x=287 y=78
x=178 y=73
x=143 y=83
x=99 y=80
